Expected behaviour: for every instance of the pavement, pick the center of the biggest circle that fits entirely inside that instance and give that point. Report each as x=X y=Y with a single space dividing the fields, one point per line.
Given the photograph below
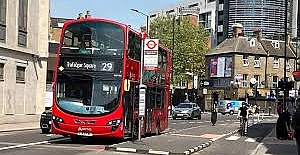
x=273 y=146
x=180 y=142
x=19 y=126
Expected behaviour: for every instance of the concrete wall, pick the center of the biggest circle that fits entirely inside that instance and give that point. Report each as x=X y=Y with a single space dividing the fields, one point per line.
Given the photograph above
x=24 y=102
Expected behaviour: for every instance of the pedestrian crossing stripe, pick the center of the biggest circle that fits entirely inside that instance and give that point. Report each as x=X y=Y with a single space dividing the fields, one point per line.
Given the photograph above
x=251 y=140
x=232 y=138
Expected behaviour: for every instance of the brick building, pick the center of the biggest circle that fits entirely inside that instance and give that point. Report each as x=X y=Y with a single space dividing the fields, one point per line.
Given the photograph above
x=236 y=60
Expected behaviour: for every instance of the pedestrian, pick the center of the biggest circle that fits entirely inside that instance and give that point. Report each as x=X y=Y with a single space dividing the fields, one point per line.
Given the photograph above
x=283 y=125
x=214 y=113
x=296 y=127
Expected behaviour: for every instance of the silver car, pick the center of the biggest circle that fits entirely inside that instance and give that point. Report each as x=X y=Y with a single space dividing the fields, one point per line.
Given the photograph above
x=187 y=110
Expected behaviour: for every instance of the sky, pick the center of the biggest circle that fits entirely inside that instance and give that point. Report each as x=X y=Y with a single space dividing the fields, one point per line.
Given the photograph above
x=118 y=10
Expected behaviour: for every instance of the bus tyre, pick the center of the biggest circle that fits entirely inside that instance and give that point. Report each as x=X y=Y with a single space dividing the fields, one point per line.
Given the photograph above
x=231 y=112
x=45 y=131
x=158 y=129
x=135 y=131
x=75 y=138
x=199 y=117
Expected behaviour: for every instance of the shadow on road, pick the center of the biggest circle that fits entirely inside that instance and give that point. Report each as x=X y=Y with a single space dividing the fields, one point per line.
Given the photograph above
x=260 y=131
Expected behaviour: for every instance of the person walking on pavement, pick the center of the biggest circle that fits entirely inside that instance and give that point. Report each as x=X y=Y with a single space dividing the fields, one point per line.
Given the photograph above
x=296 y=127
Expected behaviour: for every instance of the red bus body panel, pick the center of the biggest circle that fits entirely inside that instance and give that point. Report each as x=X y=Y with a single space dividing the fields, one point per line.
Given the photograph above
x=97 y=125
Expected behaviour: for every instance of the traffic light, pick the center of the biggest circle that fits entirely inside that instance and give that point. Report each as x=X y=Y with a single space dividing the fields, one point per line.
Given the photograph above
x=254 y=91
x=288 y=85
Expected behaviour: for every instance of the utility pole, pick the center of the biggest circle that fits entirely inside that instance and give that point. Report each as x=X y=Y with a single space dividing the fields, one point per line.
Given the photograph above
x=285 y=54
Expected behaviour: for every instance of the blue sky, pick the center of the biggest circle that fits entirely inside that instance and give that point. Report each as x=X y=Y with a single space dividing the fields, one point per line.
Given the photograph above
x=113 y=9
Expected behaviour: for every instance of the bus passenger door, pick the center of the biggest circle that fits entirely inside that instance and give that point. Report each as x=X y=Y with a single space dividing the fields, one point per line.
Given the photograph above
x=128 y=109
x=149 y=99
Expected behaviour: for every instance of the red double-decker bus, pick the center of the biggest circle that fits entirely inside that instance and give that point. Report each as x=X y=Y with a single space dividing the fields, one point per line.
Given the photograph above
x=96 y=86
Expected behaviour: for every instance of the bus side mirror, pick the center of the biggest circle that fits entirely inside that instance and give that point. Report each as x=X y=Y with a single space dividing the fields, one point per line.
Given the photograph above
x=126 y=85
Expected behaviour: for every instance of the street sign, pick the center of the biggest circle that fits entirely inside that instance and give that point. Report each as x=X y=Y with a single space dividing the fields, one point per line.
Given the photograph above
x=253 y=81
x=143 y=35
x=142 y=100
x=151 y=54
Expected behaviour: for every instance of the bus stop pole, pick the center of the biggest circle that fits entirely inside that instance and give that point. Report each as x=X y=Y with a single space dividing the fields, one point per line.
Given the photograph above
x=141 y=84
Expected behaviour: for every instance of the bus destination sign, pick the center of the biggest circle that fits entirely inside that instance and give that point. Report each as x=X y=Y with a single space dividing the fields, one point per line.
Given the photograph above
x=88 y=65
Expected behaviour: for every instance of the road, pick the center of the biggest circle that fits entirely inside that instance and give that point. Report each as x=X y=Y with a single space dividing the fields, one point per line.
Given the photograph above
x=32 y=142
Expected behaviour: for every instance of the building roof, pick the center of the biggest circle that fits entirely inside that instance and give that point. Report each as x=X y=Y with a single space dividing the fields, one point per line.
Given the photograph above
x=241 y=45
x=58 y=22
x=238 y=45
x=270 y=47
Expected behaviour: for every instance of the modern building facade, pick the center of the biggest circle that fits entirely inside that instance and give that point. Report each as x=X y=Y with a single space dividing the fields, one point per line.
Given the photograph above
x=23 y=59
x=267 y=15
x=204 y=12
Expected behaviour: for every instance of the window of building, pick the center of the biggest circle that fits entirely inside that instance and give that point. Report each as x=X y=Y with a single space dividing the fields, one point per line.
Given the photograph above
x=245 y=60
x=275 y=82
x=2 y=20
x=276 y=62
x=193 y=5
x=1 y=71
x=257 y=61
x=257 y=80
x=22 y=23
x=20 y=74
x=244 y=81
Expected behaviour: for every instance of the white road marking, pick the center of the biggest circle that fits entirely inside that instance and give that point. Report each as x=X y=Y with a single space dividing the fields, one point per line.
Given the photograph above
x=251 y=140
x=158 y=152
x=30 y=144
x=233 y=138
x=182 y=135
x=125 y=149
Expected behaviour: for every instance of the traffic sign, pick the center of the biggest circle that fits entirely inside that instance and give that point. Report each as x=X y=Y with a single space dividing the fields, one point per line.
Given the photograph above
x=151 y=54
x=151 y=44
x=143 y=35
x=142 y=100
x=253 y=81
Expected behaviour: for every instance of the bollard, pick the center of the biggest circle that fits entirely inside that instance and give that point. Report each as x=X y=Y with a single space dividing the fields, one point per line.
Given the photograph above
x=270 y=111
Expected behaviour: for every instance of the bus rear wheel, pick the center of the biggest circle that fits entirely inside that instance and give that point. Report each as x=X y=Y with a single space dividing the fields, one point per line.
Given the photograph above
x=135 y=131
x=158 y=129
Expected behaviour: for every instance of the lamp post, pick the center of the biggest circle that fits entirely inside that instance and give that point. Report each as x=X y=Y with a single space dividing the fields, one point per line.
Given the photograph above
x=147 y=16
x=285 y=54
x=141 y=87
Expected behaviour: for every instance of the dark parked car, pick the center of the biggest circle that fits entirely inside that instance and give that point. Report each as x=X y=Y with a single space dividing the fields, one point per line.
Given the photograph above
x=45 y=121
x=187 y=110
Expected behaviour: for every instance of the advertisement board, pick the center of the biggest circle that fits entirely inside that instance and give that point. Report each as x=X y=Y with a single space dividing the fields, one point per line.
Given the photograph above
x=220 y=66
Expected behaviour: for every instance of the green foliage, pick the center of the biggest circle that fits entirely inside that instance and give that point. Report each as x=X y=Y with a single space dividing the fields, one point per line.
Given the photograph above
x=190 y=44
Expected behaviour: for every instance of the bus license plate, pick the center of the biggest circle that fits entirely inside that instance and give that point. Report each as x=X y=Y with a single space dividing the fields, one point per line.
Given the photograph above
x=84 y=134
x=179 y=114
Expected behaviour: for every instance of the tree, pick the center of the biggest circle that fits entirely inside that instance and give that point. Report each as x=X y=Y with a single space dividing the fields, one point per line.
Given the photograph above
x=190 y=45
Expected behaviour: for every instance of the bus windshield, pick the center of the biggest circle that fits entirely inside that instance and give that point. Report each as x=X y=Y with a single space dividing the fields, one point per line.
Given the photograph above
x=93 y=38
x=86 y=93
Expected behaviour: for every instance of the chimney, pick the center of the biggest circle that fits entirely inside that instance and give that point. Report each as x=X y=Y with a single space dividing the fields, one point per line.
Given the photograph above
x=88 y=15
x=80 y=16
x=257 y=34
x=237 y=30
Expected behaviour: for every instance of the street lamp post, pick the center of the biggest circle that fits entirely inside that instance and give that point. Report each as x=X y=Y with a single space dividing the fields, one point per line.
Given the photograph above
x=142 y=87
x=147 y=16
x=285 y=54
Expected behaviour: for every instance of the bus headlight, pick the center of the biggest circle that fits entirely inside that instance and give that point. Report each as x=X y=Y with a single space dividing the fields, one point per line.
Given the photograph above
x=57 y=119
x=115 y=122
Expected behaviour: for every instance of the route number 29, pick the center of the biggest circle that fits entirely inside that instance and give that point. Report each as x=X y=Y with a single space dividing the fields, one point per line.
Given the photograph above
x=107 y=66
